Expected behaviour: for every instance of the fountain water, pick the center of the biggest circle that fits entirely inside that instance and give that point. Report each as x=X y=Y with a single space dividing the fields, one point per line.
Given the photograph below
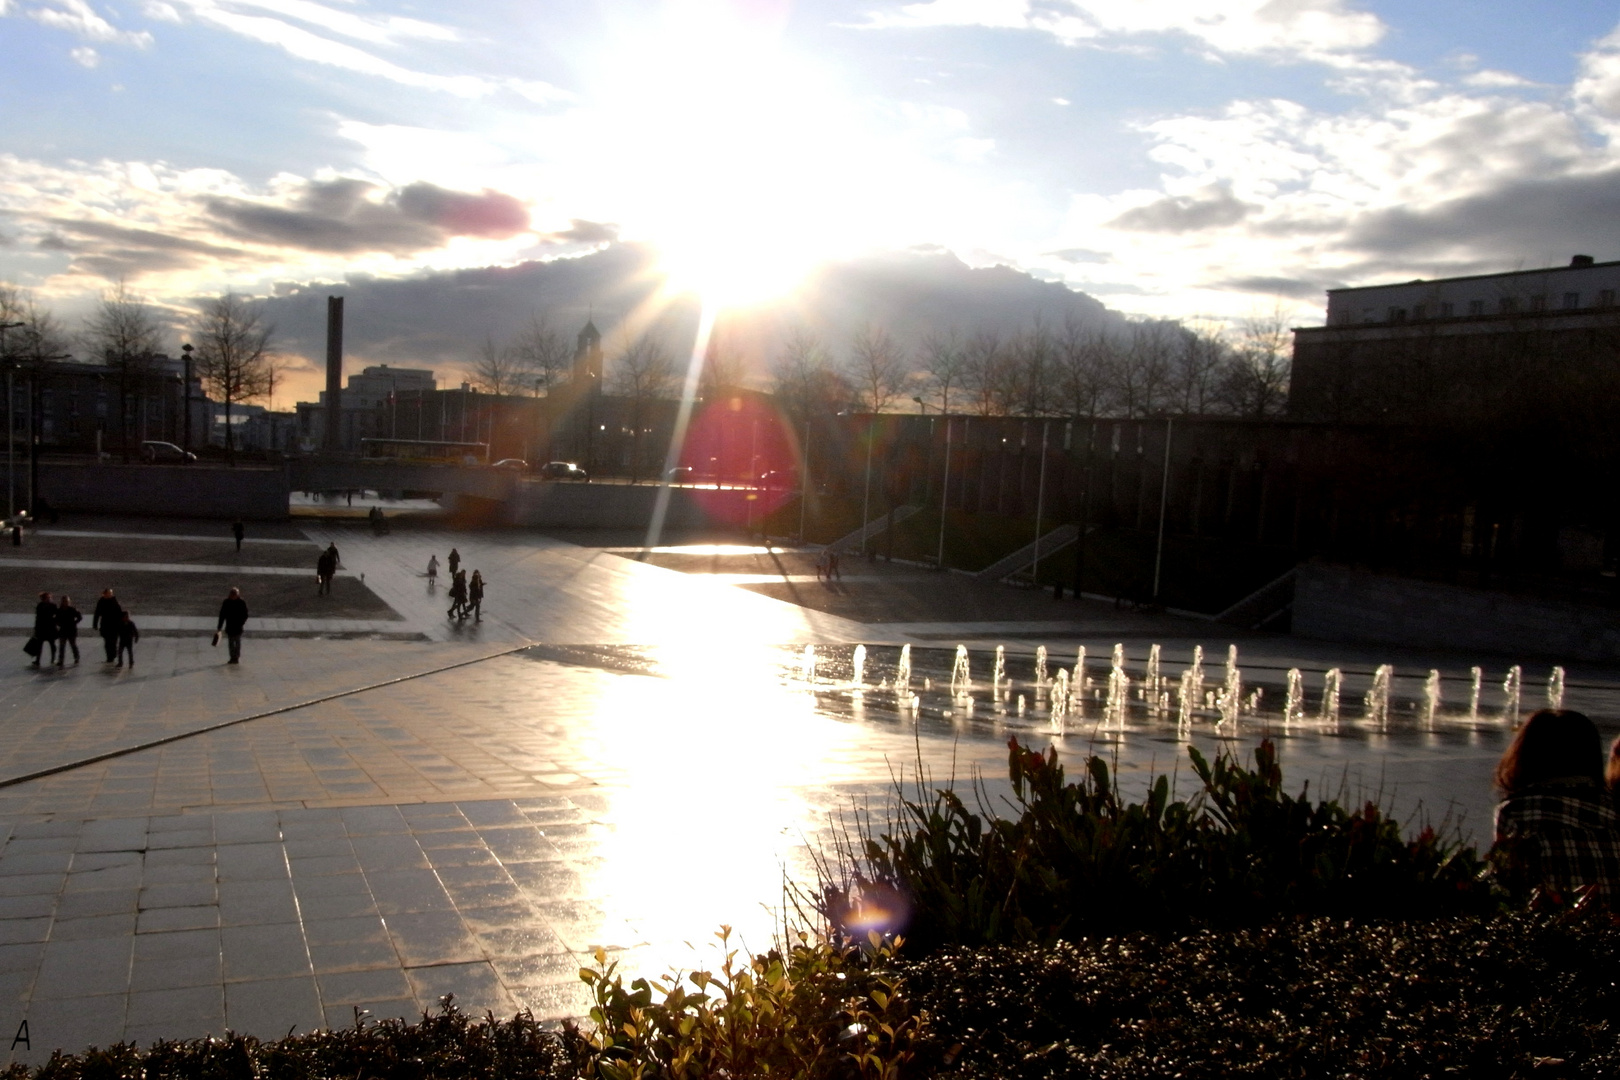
x=1194 y=677
x=1230 y=699
x=1187 y=698
x=1555 y=688
x=961 y=682
x=1332 y=687
x=998 y=674
x=1020 y=704
x=1077 y=685
x=1060 y=701
x=1154 y=682
x=858 y=667
x=1512 y=690
x=1294 y=703
x=1377 y=699
x=1040 y=666
x=902 y=674
x=1431 y=699
x=1119 y=690
x=807 y=664
x=1473 y=697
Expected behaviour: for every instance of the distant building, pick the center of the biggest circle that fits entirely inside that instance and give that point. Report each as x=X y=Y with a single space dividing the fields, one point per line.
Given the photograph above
x=366 y=392
x=75 y=402
x=1458 y=348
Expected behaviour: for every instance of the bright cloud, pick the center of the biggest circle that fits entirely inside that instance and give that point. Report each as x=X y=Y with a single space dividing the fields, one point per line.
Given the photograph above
x=79 y=18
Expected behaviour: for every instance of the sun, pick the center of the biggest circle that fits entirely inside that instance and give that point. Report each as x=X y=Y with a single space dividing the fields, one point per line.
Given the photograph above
x=743 y=161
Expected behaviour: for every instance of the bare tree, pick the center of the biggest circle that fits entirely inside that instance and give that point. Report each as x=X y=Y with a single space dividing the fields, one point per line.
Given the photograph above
x=984 y=373
x=722 y=368
x=496 y=369
x=1196 y=367
x=1033 y=371
x=804 y=380
x=944 y=360
x=1254 y=380
x=1086 y=360
x=541 y=354
x=233 y=354
x=123 y=333
x=644 y=372
x=1142 y=376
x=877 y=368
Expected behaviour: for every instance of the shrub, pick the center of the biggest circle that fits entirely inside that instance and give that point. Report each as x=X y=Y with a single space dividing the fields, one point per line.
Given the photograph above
x=1075 y=859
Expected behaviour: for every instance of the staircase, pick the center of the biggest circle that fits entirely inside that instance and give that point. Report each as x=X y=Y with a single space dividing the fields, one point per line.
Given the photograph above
x=1263 y=607
x=1048 y=545
x=872 y=528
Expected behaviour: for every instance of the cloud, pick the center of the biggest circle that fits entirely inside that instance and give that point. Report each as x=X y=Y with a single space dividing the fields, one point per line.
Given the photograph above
x=1322 y=30
x=85 y=56
x=347 y=215
x=1297 y=288
x=115 y=251
x=158 y=11
x=1213 y=207
x=79 y=18
x=580 y=231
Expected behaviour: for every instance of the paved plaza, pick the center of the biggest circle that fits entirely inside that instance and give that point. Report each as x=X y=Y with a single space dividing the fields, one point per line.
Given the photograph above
x=380 y=806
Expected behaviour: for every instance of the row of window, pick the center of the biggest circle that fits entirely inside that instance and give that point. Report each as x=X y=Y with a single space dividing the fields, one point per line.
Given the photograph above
x=1506 y=305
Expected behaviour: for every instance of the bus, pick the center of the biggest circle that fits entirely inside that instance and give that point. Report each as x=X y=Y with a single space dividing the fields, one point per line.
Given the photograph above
x=425 y=450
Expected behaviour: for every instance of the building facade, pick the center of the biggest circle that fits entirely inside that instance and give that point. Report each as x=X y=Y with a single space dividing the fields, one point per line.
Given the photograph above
x=1459 y=350
x=362 y=405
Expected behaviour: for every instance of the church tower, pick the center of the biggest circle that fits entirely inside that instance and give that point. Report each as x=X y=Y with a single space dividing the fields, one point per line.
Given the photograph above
x=587 y=370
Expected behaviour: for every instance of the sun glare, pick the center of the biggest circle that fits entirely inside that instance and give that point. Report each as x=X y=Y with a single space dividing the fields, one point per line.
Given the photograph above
x=741 y=154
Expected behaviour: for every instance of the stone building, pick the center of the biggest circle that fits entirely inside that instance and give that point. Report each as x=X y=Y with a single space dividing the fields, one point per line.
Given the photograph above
x=1462 y=350
x=363 y=401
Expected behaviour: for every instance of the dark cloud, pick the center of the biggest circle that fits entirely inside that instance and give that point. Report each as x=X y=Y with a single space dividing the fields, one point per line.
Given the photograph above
x=1273 y=286
x=580 y=231
x=1526 y=221
x=1212 y=208
x=344 y=217
x=114 y=251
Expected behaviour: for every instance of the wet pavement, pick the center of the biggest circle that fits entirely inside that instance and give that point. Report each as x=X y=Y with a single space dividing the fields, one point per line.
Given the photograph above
x=620 y=755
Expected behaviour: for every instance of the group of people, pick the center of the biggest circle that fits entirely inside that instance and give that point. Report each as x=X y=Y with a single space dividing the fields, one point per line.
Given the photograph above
x=466 y=596
x=827 y=567
x=56 y=628
x=1558 y=825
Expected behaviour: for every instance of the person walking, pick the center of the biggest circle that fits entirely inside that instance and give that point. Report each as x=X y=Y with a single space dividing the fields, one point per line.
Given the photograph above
x=238 y=530
x=475 y=596
x=458 y=596
x=108 y=617
x=67 y=630
x=433 y=569
x=325 y=567
x=45 y=627
x=454 y=560
x=128 y=635
x=233 y=616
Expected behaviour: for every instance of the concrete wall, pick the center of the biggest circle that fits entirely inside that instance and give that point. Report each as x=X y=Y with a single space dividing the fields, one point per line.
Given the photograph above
x=1340 y=604
x=623 y=506
x=480 y=480
x=205 y=491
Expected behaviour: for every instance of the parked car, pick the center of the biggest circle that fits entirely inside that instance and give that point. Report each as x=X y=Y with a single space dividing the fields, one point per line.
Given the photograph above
x=512 y=463
x=154 y=451
x=563 y=470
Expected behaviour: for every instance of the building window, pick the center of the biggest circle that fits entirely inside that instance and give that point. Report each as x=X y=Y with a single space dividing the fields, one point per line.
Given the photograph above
x=1538 y=303
x=1572 y=300
x=1446 y=310
x=1397 y=314
x=1606 y=298
x=1507 y=305
x=1419 y=312
x=1476 y=307
x=1368 y=315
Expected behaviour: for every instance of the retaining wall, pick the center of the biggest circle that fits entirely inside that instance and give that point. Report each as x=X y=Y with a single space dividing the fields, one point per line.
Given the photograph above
x=1340 y=604
x=201 y=491
x=623 y=506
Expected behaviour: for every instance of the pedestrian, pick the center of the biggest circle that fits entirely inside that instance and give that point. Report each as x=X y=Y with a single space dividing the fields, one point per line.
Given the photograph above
x=458 y=595
x=238 y=530
x=475 y=596
x=233 y=616
x=45 y=627
x=454 y=561
x=67 y=630
x=107 y=618
x=128 y=635
x=821 y=565
x=433 y=569
x=325 y=567
x=833 y=569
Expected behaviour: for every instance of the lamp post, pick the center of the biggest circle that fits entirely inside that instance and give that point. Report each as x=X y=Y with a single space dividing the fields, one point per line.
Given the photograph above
x=11 y=424
x=186 y=352
x=922 y=406
x=944 y=497
x=866 y=500
x=804 y=479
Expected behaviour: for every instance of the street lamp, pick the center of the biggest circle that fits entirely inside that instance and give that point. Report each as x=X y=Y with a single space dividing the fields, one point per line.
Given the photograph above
x=922 y=406
x=11 y=425
x=186 y=351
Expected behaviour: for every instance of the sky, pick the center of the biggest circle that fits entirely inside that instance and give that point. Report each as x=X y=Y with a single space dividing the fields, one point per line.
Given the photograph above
x=1179 y=158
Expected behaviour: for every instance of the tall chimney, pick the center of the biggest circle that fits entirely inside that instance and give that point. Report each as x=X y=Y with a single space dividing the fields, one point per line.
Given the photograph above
x=334 y=373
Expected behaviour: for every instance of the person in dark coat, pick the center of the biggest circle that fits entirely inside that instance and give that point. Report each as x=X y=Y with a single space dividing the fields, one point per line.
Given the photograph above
x=128 y=635
x=107 y=618
x=45 y=626
x=325 y=567
x=238 y=530
x=233 y=616
x=67 y=630
x=454 y=560
x=458 y=595
x=475 y=596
